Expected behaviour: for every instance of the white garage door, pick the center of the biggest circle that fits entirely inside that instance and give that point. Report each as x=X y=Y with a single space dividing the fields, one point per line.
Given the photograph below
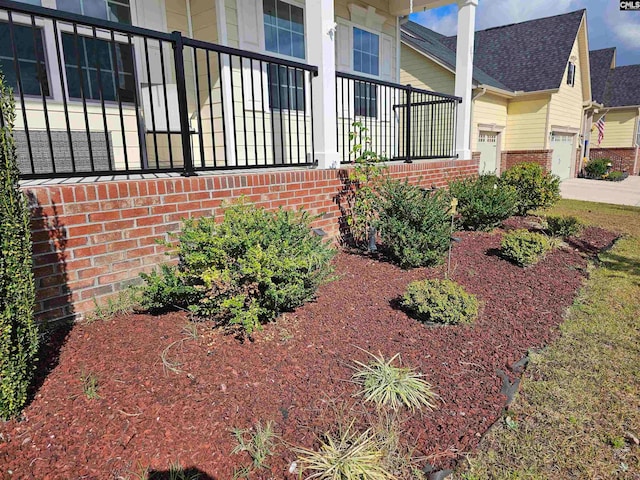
x=563 y=154
x=488 y=148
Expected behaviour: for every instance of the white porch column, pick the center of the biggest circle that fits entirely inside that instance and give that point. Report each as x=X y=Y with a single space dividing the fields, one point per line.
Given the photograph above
x=464 y=75
x=320 y=28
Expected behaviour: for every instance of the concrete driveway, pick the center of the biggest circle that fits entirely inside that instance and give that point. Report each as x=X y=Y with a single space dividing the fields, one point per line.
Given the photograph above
x=626 y=192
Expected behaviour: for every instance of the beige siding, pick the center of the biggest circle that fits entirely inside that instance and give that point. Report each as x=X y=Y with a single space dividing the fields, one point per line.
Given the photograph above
x=488 y=109
x=526 y=124
x=231 y=14
x=419 y=71
x=566 y=105
x=204 y=20
x=619 y=129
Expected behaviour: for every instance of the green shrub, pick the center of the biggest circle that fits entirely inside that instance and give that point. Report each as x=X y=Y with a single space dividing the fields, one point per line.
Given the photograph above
x=535 y=187
x=243 y=271
x=18 y=331
x=616 y=176
x=565 y=226
x=523 y=247
x=414 y=225
x=483 y=202
x=597 y=167
x=439 y=301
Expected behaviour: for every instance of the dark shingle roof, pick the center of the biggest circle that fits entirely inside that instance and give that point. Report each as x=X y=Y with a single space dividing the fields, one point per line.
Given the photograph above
x=623 y=87
x=528 y=56
x=428 y=41
x=600 y=64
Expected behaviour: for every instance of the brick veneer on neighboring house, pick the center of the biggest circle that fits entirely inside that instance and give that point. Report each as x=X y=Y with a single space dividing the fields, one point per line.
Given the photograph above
x=93 y=239
x=626 y=159
x=510 y=158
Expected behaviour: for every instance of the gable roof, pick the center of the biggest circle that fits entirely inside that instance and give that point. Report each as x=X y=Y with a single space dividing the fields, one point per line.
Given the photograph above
x=429 y=42
x=600 y=62
x=623 y=87
x=528 y=56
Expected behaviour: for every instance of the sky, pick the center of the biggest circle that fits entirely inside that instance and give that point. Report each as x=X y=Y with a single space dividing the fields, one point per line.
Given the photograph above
x=607 y=25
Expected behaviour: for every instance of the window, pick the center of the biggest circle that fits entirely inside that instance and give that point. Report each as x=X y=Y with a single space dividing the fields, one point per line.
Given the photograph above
x=91 y=54
x=366 y=52
x=31 y=59
x=638 y=134
x=366 y=100
x=284 y=28
x=114 y=10
x=571 y=74
x=286 y=88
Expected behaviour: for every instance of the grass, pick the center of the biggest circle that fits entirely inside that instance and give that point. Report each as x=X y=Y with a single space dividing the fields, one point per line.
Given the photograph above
x=123 y=303
x=90 y=385
x=394 y=387
x=347 y=455
x=258 y=442
x=578 y=408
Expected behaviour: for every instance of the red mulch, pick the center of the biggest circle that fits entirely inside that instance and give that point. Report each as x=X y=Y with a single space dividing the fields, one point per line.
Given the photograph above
x=294 y=372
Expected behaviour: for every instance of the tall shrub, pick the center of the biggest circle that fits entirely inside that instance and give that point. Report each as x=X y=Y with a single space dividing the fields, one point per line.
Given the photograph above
x=535 y=187
x=484 y=202
x=414 y=225
x=18 y=332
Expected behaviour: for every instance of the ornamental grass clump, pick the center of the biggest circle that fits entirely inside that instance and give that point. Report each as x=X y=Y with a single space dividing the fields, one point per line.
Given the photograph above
x=524 y=248
x=243 y=271
x=439 y=301
x=535 y=188
x=18 y=331
x=346 y=455
x=563 y=226
x=483 y=202
x=414 y=225
x=390 y=386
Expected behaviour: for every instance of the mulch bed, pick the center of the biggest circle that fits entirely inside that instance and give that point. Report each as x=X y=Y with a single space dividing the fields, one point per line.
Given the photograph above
x=295 y=372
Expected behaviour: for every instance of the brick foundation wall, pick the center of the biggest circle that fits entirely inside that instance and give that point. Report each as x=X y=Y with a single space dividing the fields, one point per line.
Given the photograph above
x=93 y=239
x=510 y=158
x=623 y=158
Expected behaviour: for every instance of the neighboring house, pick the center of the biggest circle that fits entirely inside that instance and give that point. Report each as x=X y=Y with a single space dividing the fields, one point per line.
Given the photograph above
x=530 y=83
x=103 y=87
x=616 y=93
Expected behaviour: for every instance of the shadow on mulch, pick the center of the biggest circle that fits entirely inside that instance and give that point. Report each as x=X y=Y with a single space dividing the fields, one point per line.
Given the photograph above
x=189 y=473
x=49 y=237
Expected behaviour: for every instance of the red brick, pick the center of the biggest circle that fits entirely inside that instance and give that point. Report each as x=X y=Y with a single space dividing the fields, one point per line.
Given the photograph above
x=104 y=216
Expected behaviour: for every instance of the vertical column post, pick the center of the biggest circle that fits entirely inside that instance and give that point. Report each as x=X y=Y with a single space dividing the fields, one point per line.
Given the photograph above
x=320 y=33
x=464 y=75
x=181 y=85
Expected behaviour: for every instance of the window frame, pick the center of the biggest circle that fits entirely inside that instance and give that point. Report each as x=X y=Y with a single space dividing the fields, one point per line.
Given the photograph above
x=262 y=33
x=571 y=74
x=83 y=33
x=637 y=139
x=353 y=51
x=39 y=25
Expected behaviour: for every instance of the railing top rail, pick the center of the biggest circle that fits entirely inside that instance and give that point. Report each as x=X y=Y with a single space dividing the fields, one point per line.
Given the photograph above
x=351 y=76
x=82 y=20
x=190 y=42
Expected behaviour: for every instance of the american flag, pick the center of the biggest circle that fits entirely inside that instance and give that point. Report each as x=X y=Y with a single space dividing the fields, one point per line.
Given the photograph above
x=600 y=126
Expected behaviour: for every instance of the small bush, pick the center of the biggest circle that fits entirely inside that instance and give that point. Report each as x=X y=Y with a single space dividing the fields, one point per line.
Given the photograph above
x=483 y=202
x=18 y=331
x=439 y=301
x=535 y=188
x=563 y=227
x=243 y=271
x=414 y=226
x=597 y=167
x=523 y=247
x=616 y=176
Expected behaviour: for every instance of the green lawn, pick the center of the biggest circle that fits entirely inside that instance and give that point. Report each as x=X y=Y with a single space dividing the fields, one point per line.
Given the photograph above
x=580 y=398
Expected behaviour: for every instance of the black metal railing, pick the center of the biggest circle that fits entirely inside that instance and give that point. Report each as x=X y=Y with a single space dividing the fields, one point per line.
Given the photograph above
x=402 y=122
x=96 y=97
